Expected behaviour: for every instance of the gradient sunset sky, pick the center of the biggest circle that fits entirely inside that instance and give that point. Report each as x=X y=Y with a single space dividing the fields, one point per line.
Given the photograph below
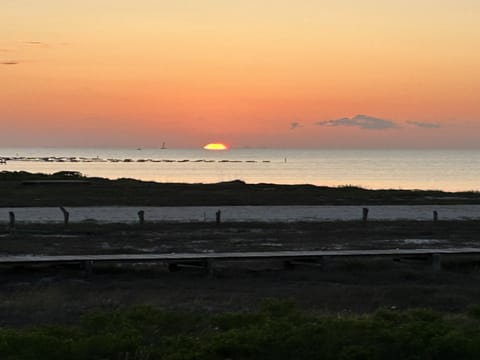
x=257 y=73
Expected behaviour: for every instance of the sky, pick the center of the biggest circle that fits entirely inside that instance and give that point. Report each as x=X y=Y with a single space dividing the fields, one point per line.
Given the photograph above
x=250 y=73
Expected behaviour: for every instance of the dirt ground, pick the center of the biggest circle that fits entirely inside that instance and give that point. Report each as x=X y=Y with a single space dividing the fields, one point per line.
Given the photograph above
x=48 y=295
x=162 y=237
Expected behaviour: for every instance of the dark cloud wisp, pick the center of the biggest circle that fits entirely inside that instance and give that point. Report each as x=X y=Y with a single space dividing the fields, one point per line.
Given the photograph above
x=425 y=125
x=294 y=125
x=9 y=63
x=35 y=43
x=362 y=122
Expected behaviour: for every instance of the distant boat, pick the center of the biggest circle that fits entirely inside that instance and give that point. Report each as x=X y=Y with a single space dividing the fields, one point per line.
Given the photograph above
x=163 y=146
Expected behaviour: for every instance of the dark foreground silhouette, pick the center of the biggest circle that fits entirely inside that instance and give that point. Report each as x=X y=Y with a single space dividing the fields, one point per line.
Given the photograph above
x=72 y=189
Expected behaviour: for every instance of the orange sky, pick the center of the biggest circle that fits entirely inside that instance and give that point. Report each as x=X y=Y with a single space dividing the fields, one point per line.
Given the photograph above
x=259 y=73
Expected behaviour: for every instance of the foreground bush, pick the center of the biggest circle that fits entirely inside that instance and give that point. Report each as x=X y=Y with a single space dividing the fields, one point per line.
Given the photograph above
x=277 y=331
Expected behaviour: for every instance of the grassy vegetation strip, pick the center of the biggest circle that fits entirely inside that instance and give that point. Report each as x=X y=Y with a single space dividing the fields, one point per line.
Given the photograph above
x=279 y=330
x=98 y=191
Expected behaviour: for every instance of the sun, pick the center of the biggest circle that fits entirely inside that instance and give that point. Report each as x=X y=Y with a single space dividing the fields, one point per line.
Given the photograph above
x=215 y=146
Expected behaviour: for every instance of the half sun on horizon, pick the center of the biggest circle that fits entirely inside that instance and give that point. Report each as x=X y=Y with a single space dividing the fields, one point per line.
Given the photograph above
x=215 y=146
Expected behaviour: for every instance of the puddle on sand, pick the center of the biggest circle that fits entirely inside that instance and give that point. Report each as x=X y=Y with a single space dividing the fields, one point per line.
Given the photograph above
x=421 y=241
x=63 y=236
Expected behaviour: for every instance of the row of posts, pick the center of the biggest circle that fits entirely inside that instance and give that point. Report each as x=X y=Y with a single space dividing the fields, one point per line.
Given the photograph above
x=12 y=225
x=141 y=217
x=365 y=215
x=66 y=218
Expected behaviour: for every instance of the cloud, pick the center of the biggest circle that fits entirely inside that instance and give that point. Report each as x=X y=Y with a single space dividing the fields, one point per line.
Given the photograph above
x=425 y=125
x=295 y=125
x=36 y=43
x=361 y=121
x=9 y=63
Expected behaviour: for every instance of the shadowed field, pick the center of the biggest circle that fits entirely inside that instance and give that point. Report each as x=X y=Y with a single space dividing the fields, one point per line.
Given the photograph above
x=51 y=295
x=14 y=191
x=168 y=237
x=61 y=294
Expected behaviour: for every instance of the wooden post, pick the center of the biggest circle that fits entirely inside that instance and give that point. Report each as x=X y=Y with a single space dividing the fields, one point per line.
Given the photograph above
x=218 y=215
x=435 y=216
x=436 y=262
x=141 y=217
x=364 y=215
x=11 y=225
x=209 y=268
x=326 y=262
x=88 y=266
x=66 y=215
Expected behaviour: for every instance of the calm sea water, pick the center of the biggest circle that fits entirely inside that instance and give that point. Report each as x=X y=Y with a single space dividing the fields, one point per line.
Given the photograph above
x=452 y=170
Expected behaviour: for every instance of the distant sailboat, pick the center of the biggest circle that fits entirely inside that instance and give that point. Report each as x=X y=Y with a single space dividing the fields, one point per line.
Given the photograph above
x=163 y=146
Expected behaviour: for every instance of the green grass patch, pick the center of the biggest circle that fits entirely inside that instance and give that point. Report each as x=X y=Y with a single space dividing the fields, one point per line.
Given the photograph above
x=278 y=330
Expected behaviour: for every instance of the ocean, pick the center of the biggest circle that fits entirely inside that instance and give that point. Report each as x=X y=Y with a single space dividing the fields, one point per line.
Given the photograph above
x=449 y=170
